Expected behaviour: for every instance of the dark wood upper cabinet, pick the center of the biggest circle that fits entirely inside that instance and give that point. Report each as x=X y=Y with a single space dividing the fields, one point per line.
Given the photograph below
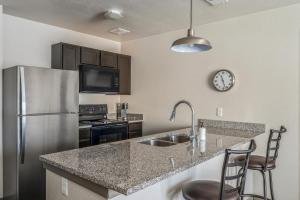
x=109 y=59
x=124 y=65
x=65 y=56
x=69 y=57
x=89 y=56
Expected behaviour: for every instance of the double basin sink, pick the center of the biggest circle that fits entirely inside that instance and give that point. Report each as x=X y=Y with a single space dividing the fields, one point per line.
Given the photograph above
x=167 y=140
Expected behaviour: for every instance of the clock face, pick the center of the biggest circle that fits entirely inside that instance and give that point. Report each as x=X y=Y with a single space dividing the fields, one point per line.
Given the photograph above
x=223 y=80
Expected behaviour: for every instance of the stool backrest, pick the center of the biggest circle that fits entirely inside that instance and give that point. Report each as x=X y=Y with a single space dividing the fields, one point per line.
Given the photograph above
x=230 y=163
x=273 y=144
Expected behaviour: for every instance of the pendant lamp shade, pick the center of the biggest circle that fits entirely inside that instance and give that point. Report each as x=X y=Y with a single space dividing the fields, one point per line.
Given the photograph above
x=191 y=43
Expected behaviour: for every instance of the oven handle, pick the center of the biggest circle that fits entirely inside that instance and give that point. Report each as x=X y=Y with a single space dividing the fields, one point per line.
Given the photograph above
x=110 y=126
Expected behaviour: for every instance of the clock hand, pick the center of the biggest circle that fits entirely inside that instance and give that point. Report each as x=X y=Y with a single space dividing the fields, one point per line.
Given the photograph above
x=223 y=80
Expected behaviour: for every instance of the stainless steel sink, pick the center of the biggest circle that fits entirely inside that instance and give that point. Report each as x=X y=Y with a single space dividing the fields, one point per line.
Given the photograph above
x=175 y=138
x=158 y=143
x=167 y=140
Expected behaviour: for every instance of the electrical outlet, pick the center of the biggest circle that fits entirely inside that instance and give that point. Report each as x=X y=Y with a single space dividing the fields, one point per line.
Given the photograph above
x=65 y=186
x=219 y=112
x=216 y=2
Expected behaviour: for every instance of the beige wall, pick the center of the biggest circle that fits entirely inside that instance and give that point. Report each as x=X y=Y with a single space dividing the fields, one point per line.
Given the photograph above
x=261 y=49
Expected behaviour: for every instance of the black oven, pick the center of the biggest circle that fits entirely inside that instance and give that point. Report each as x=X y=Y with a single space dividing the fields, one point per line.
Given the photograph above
x=109 y=133
x=96 y=79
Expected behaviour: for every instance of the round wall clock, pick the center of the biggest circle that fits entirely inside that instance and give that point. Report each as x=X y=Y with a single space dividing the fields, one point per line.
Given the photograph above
x=223 y=80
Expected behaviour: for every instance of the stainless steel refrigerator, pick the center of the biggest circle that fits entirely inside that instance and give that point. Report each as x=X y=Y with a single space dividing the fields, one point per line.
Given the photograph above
x=40 y=116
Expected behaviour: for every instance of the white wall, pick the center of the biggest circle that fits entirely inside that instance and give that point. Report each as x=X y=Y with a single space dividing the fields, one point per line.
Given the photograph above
x=29 y=43
x=262 y=50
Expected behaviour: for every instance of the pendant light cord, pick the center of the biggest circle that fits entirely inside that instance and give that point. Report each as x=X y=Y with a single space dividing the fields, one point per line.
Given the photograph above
x=191 y=15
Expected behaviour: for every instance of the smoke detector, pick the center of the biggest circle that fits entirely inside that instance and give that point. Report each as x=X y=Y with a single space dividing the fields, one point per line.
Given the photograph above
x=216 y=2
x=113 y=14
x=119 y=31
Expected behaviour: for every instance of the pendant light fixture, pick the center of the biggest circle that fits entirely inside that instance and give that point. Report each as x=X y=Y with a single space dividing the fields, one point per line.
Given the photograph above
x=191 y=43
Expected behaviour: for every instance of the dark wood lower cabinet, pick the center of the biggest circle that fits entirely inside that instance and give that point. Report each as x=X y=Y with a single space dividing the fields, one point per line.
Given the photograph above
x=135 y=130
x=84 y=137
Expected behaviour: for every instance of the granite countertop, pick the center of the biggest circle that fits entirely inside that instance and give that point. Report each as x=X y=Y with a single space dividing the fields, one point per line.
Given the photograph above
x=128 y=166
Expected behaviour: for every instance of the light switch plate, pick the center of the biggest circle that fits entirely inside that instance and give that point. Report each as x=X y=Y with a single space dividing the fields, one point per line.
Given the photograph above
x=64 y=187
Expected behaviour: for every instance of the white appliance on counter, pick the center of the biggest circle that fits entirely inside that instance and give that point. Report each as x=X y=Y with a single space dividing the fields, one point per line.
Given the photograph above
x=40 y=110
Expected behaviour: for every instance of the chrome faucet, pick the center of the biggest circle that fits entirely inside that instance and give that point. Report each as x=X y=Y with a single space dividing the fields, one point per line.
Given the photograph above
x=172 y=118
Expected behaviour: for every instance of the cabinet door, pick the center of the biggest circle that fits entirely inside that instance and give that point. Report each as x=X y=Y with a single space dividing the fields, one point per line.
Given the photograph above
x=109 y=59
x=70 y=57
x=56 y=56
x=89 y=56
x=124 y=65
x=135 y=130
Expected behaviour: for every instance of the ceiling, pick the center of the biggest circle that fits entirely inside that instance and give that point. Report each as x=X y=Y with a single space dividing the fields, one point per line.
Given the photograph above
x=142 y=17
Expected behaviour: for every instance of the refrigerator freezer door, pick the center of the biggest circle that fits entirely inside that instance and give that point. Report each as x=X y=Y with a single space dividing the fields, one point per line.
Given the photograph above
x=44 y=90
x=43 y=134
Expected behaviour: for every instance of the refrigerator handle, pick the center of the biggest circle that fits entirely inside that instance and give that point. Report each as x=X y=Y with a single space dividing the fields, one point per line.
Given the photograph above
x=23 y=139
x=23 y=112
x=22 y=91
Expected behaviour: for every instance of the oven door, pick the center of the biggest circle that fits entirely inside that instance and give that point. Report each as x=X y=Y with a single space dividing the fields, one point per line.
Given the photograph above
x=96 y=79
x=109 y=133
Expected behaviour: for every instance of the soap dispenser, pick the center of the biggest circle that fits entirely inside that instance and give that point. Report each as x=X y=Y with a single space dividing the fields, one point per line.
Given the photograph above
x=202 y=132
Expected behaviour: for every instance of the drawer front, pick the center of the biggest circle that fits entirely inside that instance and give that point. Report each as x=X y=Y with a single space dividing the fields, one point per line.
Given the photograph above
x=135 y=126
x=135 y=134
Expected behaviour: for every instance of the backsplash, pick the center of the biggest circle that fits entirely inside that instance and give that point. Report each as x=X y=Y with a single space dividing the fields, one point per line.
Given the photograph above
x=110 y=100
x=245 y=126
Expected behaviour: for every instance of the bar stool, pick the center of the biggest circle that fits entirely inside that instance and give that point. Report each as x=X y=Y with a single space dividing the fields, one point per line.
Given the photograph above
x=213 y=190
x=265 y=164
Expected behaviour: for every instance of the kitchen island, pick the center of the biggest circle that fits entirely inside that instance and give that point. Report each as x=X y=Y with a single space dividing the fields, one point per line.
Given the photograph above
x=133 y=170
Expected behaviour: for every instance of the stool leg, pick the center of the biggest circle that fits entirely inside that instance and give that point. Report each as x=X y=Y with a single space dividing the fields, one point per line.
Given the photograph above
x=271 y=185
x=239 y=179
x=265 y=184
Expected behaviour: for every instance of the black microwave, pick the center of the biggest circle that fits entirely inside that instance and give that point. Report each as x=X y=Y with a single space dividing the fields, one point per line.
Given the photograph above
x=96 y=79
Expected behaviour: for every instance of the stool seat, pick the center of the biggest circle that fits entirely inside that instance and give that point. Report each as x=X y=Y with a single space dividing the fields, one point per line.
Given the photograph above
x=258 y=162
x=208 y=190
